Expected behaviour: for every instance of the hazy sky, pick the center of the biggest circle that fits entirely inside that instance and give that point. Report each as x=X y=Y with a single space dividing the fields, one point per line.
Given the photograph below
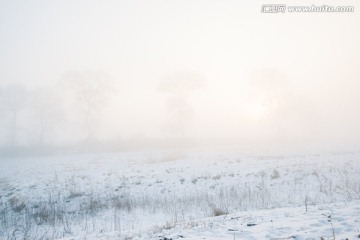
x=265 y=76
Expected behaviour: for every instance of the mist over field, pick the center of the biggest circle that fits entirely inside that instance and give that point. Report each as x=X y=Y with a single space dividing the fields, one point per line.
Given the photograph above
x=137 y=71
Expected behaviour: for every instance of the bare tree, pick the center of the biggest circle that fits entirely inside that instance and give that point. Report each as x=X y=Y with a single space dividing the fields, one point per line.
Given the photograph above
x=179 y=87
x=46 y=113
x=91 y=91
x=13 y=99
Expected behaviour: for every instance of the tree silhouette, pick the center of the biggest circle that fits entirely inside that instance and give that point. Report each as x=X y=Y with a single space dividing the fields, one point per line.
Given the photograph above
x=178 y=87
x=92 y=90
x=46 y=112
x=13 y=99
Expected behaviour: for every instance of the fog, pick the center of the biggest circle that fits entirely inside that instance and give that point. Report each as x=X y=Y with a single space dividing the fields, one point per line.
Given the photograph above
x=187 y=72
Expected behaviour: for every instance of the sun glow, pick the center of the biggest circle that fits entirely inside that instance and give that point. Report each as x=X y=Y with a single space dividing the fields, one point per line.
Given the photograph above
x=258 y=110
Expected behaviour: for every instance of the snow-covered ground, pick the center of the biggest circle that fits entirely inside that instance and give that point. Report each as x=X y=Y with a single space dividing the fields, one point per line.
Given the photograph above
x=178 y=194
